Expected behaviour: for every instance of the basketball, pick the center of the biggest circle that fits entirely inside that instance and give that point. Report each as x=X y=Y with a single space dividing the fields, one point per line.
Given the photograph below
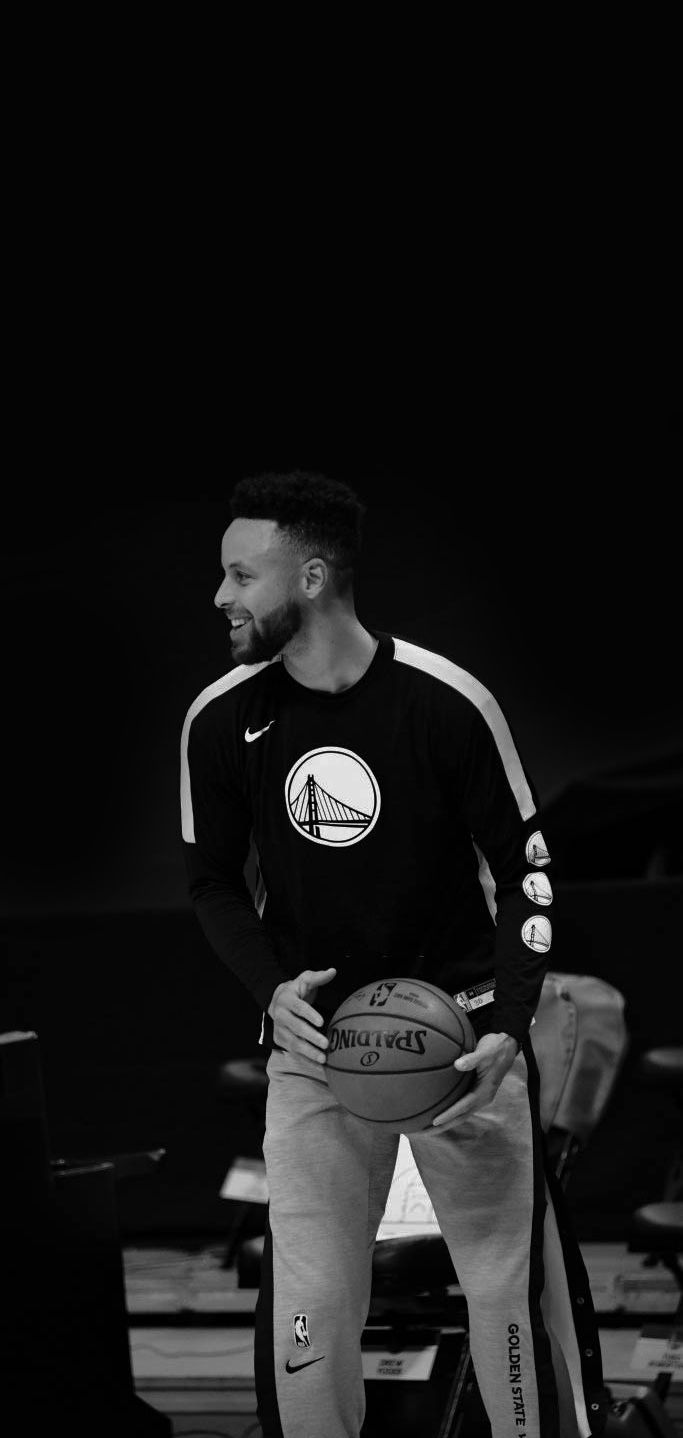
x=392 y=1046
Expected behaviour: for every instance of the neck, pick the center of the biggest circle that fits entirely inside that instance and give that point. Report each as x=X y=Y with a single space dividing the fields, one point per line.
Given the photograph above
x=332 y=654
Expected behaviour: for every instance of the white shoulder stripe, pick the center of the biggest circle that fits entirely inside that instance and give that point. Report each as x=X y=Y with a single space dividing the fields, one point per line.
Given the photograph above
x=466 y=684
x=213 y=691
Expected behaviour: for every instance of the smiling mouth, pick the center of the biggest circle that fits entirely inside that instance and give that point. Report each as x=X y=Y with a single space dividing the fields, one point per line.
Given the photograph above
x=236 y=624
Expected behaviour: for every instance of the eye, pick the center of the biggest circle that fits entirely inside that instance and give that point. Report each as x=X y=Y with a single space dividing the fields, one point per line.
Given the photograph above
x=241 y=578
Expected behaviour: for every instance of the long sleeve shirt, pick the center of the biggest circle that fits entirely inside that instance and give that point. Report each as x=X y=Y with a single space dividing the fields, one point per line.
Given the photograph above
x=395 y=830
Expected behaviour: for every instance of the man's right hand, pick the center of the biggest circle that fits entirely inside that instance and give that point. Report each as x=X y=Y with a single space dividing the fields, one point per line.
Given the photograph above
x=295 y=1022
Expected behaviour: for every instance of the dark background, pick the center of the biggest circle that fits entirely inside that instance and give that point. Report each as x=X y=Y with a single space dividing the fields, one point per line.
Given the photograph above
x=544 y=558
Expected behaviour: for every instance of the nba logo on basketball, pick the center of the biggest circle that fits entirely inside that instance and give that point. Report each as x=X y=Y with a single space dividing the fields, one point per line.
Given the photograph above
x=301 y=1337
x=381 y=994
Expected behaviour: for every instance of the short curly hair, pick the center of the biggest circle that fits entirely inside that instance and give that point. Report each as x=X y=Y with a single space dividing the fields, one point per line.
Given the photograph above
x=321 y=516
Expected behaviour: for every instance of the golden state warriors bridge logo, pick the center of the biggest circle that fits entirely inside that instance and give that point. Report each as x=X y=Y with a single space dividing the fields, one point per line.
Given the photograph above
x=333 y=797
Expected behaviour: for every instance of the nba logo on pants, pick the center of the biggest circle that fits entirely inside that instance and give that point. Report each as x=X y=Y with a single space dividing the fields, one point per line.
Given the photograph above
x=301 y=1337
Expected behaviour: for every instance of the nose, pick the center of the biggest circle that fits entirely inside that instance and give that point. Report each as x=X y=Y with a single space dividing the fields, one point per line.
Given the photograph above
x=222 y=596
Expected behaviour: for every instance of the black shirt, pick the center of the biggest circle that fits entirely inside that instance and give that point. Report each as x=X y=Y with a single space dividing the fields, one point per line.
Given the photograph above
x=396 y=834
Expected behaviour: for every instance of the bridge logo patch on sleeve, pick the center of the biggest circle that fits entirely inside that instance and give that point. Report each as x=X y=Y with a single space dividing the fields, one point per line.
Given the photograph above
x=537 y=933
x=537 y=888
x=332 y=797
x=537 y=850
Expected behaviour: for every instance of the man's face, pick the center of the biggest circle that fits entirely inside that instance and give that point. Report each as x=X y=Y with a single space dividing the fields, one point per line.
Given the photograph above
x=258 y=594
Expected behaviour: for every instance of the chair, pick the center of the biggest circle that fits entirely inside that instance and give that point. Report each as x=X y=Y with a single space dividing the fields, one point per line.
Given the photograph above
x=243 y=1082
x=662 y=1071
x=657 y=1228
x=64 y=1342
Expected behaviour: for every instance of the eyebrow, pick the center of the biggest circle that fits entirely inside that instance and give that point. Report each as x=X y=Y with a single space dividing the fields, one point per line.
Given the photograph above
x=240 y=564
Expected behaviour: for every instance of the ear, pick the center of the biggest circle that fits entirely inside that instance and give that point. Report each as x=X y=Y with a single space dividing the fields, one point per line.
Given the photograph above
x=314 y=577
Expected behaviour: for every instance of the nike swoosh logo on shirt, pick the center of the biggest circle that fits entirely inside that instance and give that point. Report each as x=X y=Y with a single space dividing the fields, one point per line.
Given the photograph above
x=294 y=1367
x=251 y=737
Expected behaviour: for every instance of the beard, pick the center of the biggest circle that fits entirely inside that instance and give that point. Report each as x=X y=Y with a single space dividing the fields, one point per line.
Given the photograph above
x=265 y=639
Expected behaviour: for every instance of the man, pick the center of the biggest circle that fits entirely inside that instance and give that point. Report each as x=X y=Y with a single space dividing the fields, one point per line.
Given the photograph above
x=397 y=834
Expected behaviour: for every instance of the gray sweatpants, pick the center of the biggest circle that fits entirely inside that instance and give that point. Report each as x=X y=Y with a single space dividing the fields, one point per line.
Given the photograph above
x=533 y=1333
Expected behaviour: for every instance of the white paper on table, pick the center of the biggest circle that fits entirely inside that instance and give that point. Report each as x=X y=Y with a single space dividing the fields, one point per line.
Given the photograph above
x=409 y=1208
x=646 y=1290
x=246 y=1181
x=411 y=1364
x=659 y=1350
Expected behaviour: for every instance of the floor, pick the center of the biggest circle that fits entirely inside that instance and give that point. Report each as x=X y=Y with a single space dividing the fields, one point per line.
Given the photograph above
x=191 y=1332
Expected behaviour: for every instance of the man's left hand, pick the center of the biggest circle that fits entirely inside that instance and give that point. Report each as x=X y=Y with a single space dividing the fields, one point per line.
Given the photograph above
x=493 y=1056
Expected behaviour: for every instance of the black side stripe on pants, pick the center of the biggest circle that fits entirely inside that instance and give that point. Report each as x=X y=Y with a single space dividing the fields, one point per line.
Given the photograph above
x=583 y=1312
x=548 y=1398
x=267 y=1411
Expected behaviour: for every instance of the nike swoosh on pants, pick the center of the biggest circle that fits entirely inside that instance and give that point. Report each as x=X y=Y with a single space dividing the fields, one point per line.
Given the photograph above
x=298 y=1366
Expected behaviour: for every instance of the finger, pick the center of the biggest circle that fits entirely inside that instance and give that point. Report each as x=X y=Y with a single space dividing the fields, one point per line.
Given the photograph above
x=455 y=1123
x=304 y=1011
x=457 y=1110
x=306 y=1033
x=293 y=1045
x=446 y=1120
x=307 y=1051
x=298 y=1037
x=312 y=978
x=481 y=1097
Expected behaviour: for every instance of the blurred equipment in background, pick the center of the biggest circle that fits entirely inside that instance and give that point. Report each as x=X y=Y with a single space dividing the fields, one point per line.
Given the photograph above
x=243 y=1083
x=64 y=1346
x=657 y=1228
x=662 y=1070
